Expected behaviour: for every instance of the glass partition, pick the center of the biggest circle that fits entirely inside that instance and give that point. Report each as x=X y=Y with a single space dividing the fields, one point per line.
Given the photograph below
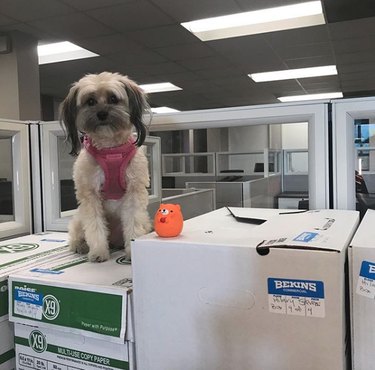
x=193 y=164
x=15 y=206
x=354 y=154
x=6 y=179
x=296 y=162
x=263 y=178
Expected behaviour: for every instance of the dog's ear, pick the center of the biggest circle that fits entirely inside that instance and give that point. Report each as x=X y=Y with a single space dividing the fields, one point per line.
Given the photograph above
x=68 y=114
x=138 y=104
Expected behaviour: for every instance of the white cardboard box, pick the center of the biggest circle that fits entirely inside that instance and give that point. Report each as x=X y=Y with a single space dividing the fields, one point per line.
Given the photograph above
x=362 y=284
x=49 y=349
x=228 y=295
x=18 y=253
x=6 y=346
x=15 y=254
x=76 y=296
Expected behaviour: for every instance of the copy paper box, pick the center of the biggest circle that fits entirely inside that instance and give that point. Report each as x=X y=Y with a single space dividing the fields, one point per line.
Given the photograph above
x=362 y=287
x=234 y=295
x=74 y=295
x=19 y=253
x=6 y=346
x=45 y=349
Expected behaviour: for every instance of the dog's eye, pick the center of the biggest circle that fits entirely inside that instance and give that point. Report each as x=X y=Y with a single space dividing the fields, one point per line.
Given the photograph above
x=91 y=102
x=113 y=99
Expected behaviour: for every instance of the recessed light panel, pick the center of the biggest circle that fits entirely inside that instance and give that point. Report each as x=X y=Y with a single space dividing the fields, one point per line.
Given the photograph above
x=294 y=73
x=159 y=87
x=258 y=21
x=164 y=110
x=61 y=52
x=332 y=95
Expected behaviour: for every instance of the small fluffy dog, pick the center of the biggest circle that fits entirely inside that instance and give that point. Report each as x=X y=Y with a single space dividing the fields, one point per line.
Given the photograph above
x=111 y=172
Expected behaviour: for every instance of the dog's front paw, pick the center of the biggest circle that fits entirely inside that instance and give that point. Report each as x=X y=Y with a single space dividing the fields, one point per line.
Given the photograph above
x=79 y=246
x=99 y=255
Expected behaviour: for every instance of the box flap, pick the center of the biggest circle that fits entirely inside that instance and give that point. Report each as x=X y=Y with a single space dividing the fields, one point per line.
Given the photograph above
x=75 y=269
x=327 y=230
x=20 y=252
x=257 y=216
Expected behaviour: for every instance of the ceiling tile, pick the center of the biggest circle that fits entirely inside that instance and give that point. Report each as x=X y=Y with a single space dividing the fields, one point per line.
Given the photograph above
x=93 y=4
x=133 y=15
x=139 y=57
x=186 y=51
x=343 y=10
x=156 y=69
x=250 y=5
x=298 y=36
x=357 y=67
x=351 y=29
x=184 y=11
x=321 y=60
x=353 y=58
x=73 y=26
x=196 y=64
x=5 y=21
x=163 y=36
x=39 y=9
x=109 y=44
x=304 y=51
x=354 y=45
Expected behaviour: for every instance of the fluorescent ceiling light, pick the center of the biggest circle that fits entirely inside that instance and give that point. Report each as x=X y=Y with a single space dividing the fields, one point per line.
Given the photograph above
x=159 y=87
x=61 y=52
x=294 y=73
x=332 y=95
x=258 y=21
x=164 y=110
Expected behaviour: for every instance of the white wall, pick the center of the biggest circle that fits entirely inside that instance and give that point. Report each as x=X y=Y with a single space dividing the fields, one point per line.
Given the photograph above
x=295 y=136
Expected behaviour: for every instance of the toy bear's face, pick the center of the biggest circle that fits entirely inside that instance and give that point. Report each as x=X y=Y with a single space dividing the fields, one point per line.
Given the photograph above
x=168 y=220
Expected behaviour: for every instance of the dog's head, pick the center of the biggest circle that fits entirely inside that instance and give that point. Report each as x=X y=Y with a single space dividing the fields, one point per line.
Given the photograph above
x=105 y=106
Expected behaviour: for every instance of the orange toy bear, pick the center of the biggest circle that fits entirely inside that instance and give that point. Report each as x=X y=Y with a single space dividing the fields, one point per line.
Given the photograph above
x=168 y=220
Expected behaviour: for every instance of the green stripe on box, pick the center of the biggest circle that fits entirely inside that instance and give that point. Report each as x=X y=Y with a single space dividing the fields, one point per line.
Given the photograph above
x=4 y=357
x=33 y=257
x=4 y=298
x=76 y=354
x=96 y=312
x=67 y=265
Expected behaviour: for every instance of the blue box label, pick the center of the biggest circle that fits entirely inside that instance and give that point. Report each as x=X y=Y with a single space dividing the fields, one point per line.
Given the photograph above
x=47 y=271
x=28 y=295
x=305 y=237
x=54 y=240
x=296 y=288
x=367 y=270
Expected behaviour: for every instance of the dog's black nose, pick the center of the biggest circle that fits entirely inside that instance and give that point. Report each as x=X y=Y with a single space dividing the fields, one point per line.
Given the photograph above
x=102 y=115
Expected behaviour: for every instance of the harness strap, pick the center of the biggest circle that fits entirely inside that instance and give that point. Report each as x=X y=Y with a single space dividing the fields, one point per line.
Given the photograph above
x=113 y=162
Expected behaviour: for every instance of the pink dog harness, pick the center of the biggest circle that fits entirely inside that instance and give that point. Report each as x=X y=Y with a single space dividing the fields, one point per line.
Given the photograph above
x=113 y=162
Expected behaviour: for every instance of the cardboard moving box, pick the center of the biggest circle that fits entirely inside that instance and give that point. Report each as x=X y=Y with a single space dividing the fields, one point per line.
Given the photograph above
x=76 y=296
x=46 y=349
x=233 y=295
x=18 y=253
x=362 y=284
x=6 y=346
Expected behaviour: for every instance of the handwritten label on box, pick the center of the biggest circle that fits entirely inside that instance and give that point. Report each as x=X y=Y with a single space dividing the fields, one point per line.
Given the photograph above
x=296 y=297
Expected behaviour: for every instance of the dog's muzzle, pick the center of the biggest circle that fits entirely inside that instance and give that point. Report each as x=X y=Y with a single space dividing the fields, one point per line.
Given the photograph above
x=102 y=115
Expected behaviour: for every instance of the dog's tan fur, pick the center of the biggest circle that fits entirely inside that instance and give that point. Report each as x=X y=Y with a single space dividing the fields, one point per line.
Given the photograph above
x=96 y=224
